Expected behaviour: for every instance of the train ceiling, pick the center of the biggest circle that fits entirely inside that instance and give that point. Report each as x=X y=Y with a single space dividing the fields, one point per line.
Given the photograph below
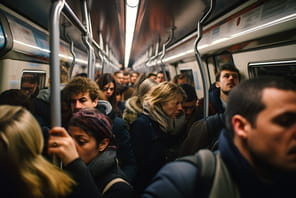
x=153 y=25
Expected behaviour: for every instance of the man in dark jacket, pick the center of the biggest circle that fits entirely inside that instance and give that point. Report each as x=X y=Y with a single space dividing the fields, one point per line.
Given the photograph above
x=258 y=148
x=226 y=79
x=82 y=92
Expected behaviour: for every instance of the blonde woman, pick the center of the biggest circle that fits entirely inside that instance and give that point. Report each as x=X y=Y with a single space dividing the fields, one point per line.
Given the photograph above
x=23 y=166
x=149 y=132
x=134 y=105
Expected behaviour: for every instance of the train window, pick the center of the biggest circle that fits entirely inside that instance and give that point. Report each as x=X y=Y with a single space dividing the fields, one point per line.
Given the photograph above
x=211 y=68
x=32 y=82
x=285 y=69
x=187 y=76
x=223 y=59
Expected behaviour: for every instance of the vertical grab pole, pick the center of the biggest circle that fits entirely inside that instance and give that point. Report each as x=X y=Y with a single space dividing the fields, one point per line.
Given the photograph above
x=200 y=65
x=54 y=37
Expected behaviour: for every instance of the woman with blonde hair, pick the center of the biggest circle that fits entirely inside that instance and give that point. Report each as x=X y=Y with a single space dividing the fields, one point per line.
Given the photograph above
x=21 y=144
x=149 y=132
x=134 y=105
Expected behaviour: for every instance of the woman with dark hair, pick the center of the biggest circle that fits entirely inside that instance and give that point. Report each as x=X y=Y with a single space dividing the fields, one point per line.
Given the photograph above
x=107 y=84
x=96 y=146
x=14 y=97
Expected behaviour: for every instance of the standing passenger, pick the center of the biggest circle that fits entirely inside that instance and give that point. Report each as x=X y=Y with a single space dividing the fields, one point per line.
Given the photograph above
x=15 y=97
x=152 y=75
x=226 y=79
x=95 y=144
x=160 y=77
x=108 y=85
x=257 y=152
x=134 y=105
x=149 y=135
x=24 y=171
x=81 y=93
x=118 y=76
x=133 y=78
x=191 y=113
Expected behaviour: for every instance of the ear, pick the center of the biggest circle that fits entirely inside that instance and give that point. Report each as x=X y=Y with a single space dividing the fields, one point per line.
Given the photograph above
x=95 y=102
x=217 y=84
x=241 y=126
x=103 y=144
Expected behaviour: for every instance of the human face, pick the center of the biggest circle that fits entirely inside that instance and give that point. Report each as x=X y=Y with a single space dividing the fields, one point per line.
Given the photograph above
x=160 y=78
x=119 y=78
x=271 y=143
x=28 y=89
x=188 y=108
x=173 y=107
x=108 y=89
x=86 y=145
x=82 y=100
x=134 y=77
x=228 y=80
x=126 y=79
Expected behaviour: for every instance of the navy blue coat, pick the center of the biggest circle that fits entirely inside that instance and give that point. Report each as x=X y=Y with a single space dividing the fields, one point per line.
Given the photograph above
x=179 y=179
x=125 y=153
x=150 y=146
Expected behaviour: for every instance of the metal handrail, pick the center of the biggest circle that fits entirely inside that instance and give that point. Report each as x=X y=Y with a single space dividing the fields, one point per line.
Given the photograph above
x=90 y=49
x=54 y=45
x=74 y=59
x=199 y=61
x=162 y=65
x=75 y=20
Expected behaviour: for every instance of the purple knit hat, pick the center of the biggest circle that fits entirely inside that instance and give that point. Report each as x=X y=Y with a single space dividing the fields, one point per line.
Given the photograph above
x=94 y=123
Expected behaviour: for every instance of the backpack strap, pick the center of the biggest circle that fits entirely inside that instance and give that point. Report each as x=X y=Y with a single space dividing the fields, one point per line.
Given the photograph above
x=214 y=179
x=113 y=181
x=223 y=183
x=205 y=161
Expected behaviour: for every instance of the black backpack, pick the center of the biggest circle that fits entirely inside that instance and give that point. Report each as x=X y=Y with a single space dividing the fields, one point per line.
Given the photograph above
x=214 y=179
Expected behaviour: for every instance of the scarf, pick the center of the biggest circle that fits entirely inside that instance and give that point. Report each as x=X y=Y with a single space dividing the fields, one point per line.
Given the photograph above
x=156 y=113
